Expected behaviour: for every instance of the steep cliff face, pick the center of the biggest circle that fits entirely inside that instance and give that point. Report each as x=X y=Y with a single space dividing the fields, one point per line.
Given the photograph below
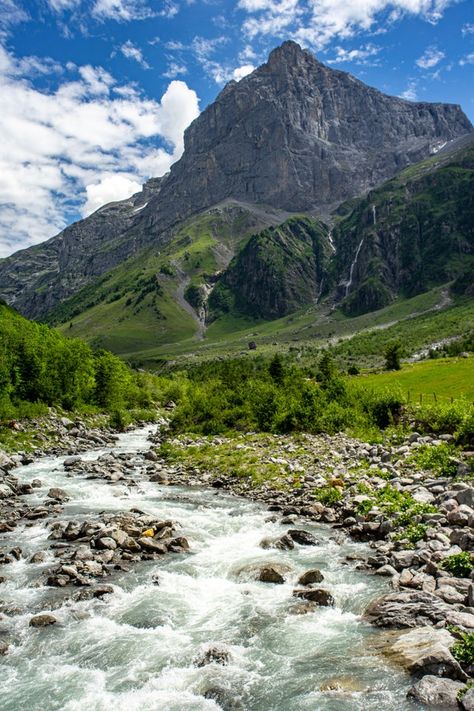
x=278 y=271
x=412 y=233
x=295 y=135
x=298 y=135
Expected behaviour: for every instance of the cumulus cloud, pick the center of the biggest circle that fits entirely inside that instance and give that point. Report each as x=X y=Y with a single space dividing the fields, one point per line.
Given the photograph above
x=88 y=140
x=317 y=22
x=468 y=28
x=430 y=58
x=242 y=71
x=109 y=189
x=130 y=51
x=468 y=59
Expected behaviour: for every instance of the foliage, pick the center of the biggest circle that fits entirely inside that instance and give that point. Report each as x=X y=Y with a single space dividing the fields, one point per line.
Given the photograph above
x=413 y=533
x=463 y=649
x=392 y=353
x=460 y=564
x=440 y=459
x=39 y=368
x=327 y=495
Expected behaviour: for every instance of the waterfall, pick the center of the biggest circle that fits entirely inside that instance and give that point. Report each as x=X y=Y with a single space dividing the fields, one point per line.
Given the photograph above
x=374 y=214
x=331 y=241
x=354 y=262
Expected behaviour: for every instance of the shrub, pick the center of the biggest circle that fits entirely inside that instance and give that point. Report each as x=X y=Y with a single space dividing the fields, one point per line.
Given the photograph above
x=327 y=495
x=413 y=533
x=120 y=420
x=392 y=355
x=460 y=564
x=463 y=649
x=440 y=459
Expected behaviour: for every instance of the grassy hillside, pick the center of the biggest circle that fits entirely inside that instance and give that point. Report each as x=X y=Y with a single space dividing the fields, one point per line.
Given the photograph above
x=434 y=380
x=142 y=303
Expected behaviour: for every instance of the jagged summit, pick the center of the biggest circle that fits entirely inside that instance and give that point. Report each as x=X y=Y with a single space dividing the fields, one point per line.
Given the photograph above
x=294 y=135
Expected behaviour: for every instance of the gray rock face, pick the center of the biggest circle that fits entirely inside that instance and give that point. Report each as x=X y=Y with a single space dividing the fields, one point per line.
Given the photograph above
x=433 y=691
x=294 y=134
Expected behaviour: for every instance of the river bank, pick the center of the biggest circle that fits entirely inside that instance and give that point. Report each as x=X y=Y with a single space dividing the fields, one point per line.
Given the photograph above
x=245 y=562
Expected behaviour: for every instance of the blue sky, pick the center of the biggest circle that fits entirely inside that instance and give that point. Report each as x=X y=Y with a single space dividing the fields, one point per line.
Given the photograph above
x=95 y=94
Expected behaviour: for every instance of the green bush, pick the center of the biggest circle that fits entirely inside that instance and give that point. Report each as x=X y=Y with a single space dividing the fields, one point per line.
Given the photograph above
x=463 y=649
x=120 y=420
x=440 y=459
x=327 y=495
x=413 y=533
x=460 y=564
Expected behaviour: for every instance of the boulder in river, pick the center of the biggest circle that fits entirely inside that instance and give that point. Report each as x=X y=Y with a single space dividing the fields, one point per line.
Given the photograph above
x=310 y=577
x=284 y=543
x=264 y=572
x=424 y=650
x=304 y=538
x=433 y=691
x=414 y=608
x=44 y=620
x=467 y=700
x=58 y=494
x=213 y=655
x=318 y=595
x=271 y=574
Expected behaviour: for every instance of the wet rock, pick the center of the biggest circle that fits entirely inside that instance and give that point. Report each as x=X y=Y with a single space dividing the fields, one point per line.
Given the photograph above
x=43 y=620
x=304 y=538
x=409 y=609
x=467 y=700
x=213 y=655
x=254 y=571
x=284 y=543
x=38 y=557
x=148 y=544
x=433 y=691
x=318 y=595
x=425 y=650
x=302 y=607
x=58 y=494
x=95 y=592
x=178 y=545
x=223 y=699
x=345 y=684
x=4 y=647
x=271 y=574
x=310 y=577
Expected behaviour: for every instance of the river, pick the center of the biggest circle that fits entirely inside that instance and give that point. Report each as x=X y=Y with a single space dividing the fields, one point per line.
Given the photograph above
x=136 y=650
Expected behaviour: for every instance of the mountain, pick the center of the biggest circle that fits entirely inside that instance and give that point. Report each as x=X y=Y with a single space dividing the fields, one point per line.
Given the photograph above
x=279 y=270
x=410 y=234
x=294 y=136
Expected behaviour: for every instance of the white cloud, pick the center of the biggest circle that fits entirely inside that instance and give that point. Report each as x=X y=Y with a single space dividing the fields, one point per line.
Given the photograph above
x=174 y=70
x=122 y=10
x=242 y=71
x=88 y=140
x=468 y=59
x=61 y=5
x=468 y=28
x=129 y=51
x=169 y=9
x=410 y=92
x=109 y=189
x=430 y=58
x=11 y=13
x=362 y=55
x=317 y=22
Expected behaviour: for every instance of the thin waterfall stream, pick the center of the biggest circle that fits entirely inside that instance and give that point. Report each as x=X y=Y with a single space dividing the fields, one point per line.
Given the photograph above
x=139 y=648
